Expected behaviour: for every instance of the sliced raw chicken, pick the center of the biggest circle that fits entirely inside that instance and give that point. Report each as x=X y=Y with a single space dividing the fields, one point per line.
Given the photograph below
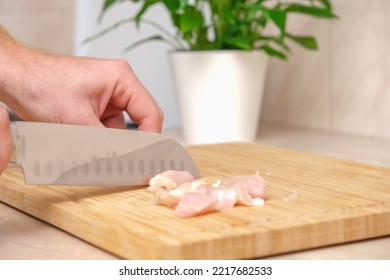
x=194 y=204
x=254 y=185
x=177 y=189
x=244 y=198
x=169 y=180
x=172 y=197
x=228 y=197
x=225 y=197
x=258 y=201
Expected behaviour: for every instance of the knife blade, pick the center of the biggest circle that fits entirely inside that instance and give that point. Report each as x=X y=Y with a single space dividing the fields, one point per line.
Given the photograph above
x=59 y=154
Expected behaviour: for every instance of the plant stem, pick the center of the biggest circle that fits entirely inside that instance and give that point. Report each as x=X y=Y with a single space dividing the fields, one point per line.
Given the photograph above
x=174 y=41
x=165 y=31
x=107 y=30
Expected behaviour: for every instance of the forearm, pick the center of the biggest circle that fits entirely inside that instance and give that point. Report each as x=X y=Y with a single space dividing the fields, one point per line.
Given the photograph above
x=6 y=43
x=16 y=68
x=39 y=86
x=10 y=65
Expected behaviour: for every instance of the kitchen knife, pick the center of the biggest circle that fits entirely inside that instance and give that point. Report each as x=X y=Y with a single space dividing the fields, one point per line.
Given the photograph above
x=59 y=154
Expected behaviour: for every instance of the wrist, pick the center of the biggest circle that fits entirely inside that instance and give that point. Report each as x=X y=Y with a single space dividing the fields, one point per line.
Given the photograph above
x=14 y=61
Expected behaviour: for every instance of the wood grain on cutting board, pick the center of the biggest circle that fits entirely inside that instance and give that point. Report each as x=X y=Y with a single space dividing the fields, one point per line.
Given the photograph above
x=312 y=201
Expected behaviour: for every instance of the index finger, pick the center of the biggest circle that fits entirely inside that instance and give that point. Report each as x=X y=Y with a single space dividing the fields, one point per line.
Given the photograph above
x=131 y=95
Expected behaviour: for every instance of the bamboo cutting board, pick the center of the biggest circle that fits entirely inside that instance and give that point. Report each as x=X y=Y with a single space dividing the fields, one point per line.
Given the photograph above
x=312 y=201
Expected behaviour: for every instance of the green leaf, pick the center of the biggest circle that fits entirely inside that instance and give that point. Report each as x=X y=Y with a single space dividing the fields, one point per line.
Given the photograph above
x=230 y=17
x=145 y=7
x=273 y=52
x=174 y=5
x=308 y=42
x=312 y=11
x=275 y=40
x=183 y=4
x=238 y=43
x=326 y=3
x=279 y=18
x=107 y=30
x=177 y=44
x=146 y=40
x=175 y=9
x=108 y=3
x=259 y=7
x=190 y=19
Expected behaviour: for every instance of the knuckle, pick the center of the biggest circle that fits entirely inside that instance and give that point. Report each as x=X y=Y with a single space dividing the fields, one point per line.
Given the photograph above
x=122 y=65
x=160 y=114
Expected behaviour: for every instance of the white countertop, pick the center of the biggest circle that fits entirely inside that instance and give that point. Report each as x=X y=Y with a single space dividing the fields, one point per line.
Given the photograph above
x=25 y=237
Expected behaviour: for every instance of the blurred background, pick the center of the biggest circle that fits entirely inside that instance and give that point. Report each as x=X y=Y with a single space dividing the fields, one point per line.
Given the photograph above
x=344 y=87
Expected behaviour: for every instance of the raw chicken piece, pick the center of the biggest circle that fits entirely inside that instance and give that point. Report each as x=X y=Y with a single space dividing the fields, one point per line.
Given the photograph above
x=172 y=197
x=194 y=204
x=177 y=189
x=244 y=198
x=169 y=179
x=254 y=185
x=162 y=197
x=226 y=197
x=258 y=201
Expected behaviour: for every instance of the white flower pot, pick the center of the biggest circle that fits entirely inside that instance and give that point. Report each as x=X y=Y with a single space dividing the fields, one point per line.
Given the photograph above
x=219 y=94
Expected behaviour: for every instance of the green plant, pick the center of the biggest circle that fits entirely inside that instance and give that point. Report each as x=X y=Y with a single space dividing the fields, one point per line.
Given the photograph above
x=227 y=24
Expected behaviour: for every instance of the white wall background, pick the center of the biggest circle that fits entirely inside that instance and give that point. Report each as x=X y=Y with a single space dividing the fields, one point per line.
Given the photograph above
x=44 y=24
x=343 y=87
x=149 y=61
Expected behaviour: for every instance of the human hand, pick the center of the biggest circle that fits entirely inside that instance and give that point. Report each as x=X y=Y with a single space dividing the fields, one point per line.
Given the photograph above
x=85 y=91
